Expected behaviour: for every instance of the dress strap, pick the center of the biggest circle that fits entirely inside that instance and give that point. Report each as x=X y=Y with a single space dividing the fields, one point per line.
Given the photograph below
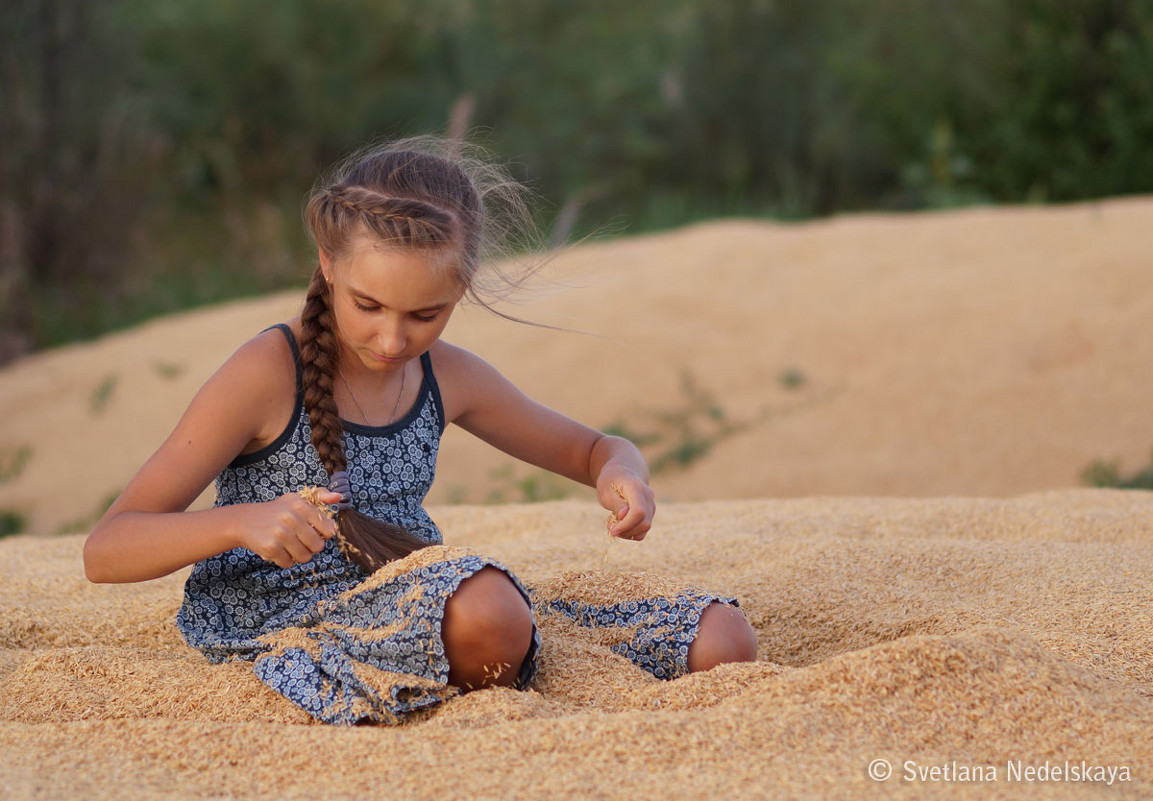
x=434 y=389
x=288 y=335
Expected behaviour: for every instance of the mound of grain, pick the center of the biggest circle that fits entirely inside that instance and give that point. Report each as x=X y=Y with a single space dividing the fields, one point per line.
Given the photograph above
x=960 y=635
x=987 y=352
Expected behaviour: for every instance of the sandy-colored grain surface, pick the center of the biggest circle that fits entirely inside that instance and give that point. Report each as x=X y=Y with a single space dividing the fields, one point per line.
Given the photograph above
x=948 y=602
x=952 y=633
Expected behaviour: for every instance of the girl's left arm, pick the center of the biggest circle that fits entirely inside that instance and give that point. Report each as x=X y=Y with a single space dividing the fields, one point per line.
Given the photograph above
x=486 y=404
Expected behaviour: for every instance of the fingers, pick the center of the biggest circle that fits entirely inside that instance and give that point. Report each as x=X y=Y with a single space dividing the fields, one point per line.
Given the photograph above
x=327 y=496
x=315 y=504
x=634 y=508
x=293 y=529
x=633 y=526
x=295 y=546
x=300 y=550
x=324 y=524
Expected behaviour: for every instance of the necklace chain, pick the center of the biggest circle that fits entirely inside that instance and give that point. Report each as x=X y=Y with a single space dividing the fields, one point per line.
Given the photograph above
x=395 y=408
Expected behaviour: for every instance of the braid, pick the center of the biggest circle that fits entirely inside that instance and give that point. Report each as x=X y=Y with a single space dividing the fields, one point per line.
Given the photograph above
x=413 y=223
x=318 y=357
x=368 y=542
x=409 y=194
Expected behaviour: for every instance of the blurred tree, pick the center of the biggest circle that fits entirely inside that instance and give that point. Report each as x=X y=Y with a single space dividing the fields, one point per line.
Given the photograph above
x=62 y=167
x=155 y=151
x=1070 y=114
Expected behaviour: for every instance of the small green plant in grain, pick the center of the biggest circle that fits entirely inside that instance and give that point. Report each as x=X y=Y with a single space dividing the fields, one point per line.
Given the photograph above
x=103 y=393
x=13 y=461
x=85 y=523
x=792 y=379
x=168 y=370
x=539 y=485
x=674 y=438
x=1108 y=474
x=12 y=522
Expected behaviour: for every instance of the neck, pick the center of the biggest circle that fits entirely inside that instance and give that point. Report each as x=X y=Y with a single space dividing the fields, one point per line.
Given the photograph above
x=372 y=398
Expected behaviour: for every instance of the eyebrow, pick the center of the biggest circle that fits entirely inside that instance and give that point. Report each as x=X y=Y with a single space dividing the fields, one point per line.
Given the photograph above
x=364 y=296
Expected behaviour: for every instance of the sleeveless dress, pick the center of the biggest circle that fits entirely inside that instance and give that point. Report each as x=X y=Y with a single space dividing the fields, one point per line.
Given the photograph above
x=348 y=647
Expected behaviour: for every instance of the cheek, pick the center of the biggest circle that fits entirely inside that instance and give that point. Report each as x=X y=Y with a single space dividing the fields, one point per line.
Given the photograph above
x=352 y=324
x=427 y=333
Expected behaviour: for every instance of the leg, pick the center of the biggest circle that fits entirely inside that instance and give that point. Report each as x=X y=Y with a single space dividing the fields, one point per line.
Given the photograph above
x=487 y=631
x=724 y=636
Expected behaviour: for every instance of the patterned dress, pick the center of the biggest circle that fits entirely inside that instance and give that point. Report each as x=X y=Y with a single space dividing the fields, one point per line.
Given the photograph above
x=348 y=647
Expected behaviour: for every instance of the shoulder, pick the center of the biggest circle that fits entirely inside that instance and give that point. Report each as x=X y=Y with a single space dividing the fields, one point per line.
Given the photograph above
x=449 y=359
x=266 y=359
x=462 y=376
x=258 y=384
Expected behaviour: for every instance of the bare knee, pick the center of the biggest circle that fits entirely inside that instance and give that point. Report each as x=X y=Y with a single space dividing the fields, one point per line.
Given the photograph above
x=487 y=631
x=724 y=635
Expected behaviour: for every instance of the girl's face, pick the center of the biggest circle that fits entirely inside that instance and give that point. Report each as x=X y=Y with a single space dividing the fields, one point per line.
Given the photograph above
x=390 y=304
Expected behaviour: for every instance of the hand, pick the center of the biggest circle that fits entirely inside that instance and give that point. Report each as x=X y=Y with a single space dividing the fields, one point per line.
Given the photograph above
x=289 y=530
x=631 y=504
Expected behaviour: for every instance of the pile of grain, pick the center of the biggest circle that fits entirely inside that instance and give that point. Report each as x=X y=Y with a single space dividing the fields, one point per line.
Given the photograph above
x=982 y=352
x=943 y=632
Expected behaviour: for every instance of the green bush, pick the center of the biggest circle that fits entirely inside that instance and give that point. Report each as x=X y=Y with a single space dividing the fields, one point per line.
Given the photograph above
x=155 y=153
x=1108 y=474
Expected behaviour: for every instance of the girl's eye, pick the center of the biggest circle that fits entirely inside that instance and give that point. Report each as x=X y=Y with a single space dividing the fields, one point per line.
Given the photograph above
x=362 y=307
x=424 y=318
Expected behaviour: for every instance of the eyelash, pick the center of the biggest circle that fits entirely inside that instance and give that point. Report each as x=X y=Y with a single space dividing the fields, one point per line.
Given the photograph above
x=420 y=317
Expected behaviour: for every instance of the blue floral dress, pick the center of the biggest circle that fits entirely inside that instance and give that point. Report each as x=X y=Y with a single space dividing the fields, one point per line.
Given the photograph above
x=348 y=647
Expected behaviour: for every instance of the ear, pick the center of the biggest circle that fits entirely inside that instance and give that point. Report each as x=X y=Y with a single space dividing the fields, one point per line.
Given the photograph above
x=325 y=266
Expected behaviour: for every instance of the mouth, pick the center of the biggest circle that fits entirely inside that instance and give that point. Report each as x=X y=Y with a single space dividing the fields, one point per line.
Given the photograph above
x=386 y=359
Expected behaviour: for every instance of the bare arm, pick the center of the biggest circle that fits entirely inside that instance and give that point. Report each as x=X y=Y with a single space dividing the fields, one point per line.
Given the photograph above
x=146 y=533
x=485 y=403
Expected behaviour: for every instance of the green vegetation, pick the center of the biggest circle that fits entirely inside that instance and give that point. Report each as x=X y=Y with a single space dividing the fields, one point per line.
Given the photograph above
x=516 y=487
x=674 y=438
x=84 y=524
x=12 y=522
x=792 y=379
x=1108 y=474
x=155 y=153
x=100 y=396
x=13 y=461
x=168 y=370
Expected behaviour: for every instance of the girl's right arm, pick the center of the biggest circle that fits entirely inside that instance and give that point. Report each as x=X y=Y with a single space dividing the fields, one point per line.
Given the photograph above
x=147 y=534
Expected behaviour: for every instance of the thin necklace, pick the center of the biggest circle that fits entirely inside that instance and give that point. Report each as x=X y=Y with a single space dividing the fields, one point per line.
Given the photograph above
x=399 y=395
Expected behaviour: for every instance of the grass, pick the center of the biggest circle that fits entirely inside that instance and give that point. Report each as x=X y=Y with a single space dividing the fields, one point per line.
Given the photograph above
x=168 y=370
x=792 y=379
x=84 y=524
x=671 y=438
x=13 y=461
x=515 y=487
x=12 y=522
x=1108 y=474
x=100 y=396
x=675 y=438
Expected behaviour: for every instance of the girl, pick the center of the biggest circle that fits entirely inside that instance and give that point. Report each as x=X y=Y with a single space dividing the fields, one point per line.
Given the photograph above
x=353 y=395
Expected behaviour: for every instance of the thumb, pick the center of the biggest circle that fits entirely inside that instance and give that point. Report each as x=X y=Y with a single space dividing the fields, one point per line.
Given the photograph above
x=616 y=517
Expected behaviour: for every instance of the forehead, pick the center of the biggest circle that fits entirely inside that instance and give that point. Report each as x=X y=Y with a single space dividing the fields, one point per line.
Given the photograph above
x=400 y=277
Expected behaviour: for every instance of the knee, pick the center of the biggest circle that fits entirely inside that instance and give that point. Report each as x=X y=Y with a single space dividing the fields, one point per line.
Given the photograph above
x=487 y=631
x=724 y=635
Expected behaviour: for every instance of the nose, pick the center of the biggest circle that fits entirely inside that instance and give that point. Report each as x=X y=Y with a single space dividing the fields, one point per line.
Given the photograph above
x=392 y=336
